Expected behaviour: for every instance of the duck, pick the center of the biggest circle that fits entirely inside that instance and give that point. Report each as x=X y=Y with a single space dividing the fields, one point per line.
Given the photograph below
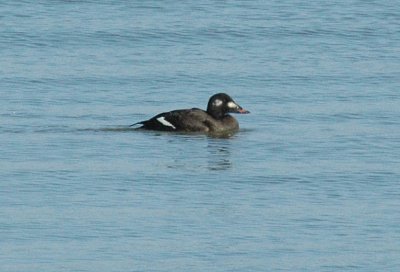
x=215 y=120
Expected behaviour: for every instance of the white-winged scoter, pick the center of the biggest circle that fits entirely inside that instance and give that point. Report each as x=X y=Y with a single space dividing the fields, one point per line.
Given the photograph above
x=215 y=120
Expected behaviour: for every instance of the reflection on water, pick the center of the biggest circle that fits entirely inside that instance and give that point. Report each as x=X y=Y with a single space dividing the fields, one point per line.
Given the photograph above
x=191 y=152
x=216 y=155
x=219 y=154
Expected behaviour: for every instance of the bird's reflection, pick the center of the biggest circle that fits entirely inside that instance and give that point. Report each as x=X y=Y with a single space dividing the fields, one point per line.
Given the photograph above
x=219 y=154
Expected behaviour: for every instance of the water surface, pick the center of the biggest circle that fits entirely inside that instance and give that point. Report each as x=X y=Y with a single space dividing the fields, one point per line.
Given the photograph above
x=310 y=183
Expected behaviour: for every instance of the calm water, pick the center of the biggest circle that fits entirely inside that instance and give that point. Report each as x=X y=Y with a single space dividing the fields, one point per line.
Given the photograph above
x=310 y=183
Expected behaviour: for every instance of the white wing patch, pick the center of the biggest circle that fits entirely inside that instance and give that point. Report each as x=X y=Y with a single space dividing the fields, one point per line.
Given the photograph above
x=165 y=122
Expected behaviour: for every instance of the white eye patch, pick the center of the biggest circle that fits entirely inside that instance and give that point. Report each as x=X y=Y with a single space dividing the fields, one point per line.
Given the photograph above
x=217 y=102
x=232 y=105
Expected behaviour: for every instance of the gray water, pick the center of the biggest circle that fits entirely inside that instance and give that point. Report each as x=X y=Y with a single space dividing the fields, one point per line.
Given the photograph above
x=310 y=183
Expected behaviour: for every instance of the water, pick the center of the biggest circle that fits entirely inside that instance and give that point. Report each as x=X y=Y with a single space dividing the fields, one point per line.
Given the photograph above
x=310 y=183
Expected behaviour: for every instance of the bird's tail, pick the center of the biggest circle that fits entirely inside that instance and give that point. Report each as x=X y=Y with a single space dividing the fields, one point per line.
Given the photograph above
x=135 y=124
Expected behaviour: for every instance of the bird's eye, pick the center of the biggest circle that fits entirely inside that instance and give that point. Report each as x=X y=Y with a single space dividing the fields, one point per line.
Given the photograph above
x=217 y=102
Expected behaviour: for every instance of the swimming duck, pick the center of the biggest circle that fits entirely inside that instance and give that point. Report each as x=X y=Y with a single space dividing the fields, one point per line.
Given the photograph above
x=216 y=119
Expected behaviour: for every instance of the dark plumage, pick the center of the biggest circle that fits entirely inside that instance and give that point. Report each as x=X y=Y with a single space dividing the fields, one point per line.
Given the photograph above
x=215 y=120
